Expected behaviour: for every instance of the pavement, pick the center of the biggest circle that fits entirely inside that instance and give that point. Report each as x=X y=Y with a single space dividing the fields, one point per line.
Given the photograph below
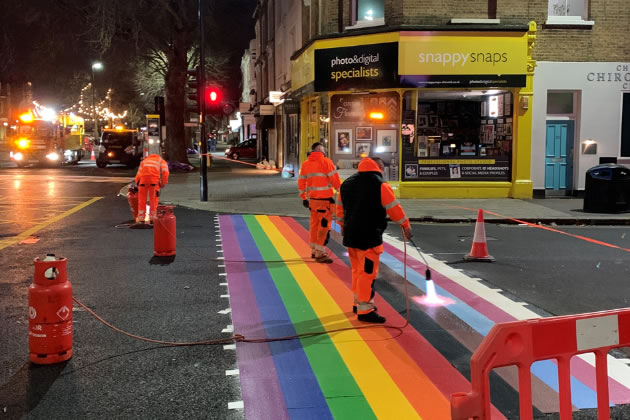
x=247 y=190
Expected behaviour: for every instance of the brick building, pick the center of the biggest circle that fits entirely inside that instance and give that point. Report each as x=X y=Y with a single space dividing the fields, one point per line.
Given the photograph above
x=466 y=91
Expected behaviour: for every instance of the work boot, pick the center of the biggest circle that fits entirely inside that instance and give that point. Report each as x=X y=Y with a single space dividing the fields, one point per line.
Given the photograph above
x=324 y=259
x=354 y=308
x=372 y=317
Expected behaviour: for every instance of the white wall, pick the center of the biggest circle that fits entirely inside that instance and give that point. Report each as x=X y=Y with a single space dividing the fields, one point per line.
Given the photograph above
x=600 y=87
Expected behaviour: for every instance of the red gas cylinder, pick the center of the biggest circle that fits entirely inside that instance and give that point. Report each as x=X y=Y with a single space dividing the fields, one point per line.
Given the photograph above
x=50 y=312
x=132 y=198
x=164 y=229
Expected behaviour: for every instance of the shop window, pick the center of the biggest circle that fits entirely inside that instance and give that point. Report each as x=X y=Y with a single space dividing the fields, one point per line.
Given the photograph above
x=568 y=12
x=368 y=13
x=559 y=103
x=461 y=136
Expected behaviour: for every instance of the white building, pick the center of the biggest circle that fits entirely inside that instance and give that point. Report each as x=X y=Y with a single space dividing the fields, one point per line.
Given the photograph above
x=581 y=117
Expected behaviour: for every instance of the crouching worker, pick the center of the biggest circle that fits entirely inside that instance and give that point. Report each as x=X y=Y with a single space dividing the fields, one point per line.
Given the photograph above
x=364 y=202
x=318 y=177
x=152 y=175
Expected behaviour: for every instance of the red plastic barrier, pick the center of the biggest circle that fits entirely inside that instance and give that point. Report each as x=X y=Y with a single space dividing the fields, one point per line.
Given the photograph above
x=522 y=343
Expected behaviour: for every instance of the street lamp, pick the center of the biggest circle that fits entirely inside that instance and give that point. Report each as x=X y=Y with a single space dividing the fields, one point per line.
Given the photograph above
x=95 y=66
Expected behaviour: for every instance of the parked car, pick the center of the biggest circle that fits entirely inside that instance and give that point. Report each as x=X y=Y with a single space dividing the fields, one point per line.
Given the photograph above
x=245 y=149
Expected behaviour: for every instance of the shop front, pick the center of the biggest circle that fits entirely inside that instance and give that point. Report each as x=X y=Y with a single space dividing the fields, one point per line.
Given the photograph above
x=448 y=112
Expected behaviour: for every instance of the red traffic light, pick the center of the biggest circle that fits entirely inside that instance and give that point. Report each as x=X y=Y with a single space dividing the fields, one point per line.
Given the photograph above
x=213 y=96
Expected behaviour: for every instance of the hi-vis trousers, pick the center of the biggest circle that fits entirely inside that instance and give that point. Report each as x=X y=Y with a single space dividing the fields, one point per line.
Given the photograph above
x=364 y=271
x=149 y=185
x=321 y=219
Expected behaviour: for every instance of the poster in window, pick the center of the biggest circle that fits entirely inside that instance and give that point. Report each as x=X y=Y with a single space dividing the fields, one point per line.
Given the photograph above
x=423 y=120
x=363 y=134
x=363 y=149
x=434 y=121
x=411 y=170
x=507 y=104
x=454 y=171
x=500 y=105
x=385 y=141
x=343 y=141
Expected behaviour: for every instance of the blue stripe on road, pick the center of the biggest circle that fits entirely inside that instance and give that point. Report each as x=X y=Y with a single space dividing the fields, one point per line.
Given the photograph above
x=581 y=395
x=303 y=396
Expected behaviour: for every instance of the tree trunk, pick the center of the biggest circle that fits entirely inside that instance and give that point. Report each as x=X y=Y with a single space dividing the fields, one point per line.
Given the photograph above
x=176 y=99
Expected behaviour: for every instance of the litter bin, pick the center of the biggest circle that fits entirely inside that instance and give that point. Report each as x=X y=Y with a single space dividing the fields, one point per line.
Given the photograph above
x=607 y=189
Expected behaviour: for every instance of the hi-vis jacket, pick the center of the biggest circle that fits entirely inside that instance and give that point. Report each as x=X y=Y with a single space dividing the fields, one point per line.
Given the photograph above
x=364 y=201
x=318 y=177
x=153 y=166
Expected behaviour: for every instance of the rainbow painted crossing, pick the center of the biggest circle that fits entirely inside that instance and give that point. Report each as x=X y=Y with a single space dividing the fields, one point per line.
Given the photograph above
x=276 y=291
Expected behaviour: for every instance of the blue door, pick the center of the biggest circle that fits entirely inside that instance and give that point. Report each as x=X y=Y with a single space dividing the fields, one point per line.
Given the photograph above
x=559 y=157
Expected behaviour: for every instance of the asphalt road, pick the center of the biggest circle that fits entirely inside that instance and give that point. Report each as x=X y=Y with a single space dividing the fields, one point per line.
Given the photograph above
x=113 y=271
x=556 y=273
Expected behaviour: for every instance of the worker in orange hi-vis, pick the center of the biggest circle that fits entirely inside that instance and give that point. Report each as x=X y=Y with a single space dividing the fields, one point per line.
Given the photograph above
x=365 y=200
x=318 y=177
x=152 y=175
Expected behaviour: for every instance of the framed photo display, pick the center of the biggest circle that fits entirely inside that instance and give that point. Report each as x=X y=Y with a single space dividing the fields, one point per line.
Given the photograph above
x=385 y=141
x=363 y=134
x=362 y=149
x=343 y=141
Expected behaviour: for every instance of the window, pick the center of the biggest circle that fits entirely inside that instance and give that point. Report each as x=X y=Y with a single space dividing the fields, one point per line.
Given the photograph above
x=559 y=103
x=569 y=12
x=368 y=13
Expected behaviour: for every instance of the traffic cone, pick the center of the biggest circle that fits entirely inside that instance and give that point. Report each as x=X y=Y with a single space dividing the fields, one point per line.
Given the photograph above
x=479 y=250
x=92 y=157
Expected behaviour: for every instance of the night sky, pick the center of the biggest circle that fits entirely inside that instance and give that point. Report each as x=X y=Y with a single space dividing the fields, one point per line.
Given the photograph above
x=49 y=44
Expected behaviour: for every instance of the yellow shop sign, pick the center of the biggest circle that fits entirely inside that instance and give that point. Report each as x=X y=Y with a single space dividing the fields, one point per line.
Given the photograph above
x=443 y=53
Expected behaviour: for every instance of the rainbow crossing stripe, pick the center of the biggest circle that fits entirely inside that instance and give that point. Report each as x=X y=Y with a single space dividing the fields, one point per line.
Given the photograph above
x=275 y=291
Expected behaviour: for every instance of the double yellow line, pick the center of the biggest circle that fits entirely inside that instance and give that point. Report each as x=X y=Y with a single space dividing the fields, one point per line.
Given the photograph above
x=15 y=239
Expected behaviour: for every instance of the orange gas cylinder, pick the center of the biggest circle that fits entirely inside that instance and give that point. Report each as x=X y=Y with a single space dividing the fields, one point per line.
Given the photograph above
x=132 y=198
x=164 y=229
x=50 y=312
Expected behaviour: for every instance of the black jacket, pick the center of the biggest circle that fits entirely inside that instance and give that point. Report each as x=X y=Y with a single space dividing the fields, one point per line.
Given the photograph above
x=364 y=218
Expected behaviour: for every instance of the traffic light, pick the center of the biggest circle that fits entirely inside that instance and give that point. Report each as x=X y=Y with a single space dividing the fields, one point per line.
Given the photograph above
x=214 y=100
x=194 y=90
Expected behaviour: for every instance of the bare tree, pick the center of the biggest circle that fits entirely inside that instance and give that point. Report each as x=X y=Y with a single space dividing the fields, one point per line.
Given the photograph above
x=165 y=34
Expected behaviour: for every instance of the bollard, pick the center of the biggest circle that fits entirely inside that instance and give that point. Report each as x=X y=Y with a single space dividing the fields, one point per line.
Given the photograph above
x=164 y=232
x=50 y=312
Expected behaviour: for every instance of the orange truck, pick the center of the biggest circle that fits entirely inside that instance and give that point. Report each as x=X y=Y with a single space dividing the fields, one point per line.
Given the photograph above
x=52 y=140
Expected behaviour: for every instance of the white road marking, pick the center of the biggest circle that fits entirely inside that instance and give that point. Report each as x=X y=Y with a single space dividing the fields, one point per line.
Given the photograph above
x=617 y=370
x=229 y=347
x=225 y=311
x=235 y=405
x=223 y=274
x=228 y=329
x=223 y=284
x=225 y=296
x=232 y=372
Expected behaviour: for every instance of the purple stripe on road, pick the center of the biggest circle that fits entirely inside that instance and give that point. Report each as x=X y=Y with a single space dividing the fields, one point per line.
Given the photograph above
x=257 y=370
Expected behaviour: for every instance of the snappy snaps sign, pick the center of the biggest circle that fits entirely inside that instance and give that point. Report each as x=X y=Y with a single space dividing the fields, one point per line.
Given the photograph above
x=435 y=53
x=434 y=59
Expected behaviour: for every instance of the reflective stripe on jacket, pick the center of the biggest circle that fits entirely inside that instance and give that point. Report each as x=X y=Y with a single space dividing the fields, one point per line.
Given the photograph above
x=153 y=166
x=318 y=177
x=363 y=203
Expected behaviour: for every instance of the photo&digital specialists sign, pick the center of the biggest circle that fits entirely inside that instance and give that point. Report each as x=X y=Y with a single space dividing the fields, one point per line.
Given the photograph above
x=372 y=66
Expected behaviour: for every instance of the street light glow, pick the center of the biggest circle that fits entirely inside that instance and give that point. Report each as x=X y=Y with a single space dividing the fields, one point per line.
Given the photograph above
x=97 y=66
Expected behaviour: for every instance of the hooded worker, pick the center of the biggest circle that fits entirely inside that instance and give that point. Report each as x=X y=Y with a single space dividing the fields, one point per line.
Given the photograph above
x=318 y=177
x=152 y=175
x=365 y=200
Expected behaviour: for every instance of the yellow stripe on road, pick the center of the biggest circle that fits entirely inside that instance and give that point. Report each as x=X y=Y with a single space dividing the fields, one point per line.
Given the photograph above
x=378 y=387
x=15 y=239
